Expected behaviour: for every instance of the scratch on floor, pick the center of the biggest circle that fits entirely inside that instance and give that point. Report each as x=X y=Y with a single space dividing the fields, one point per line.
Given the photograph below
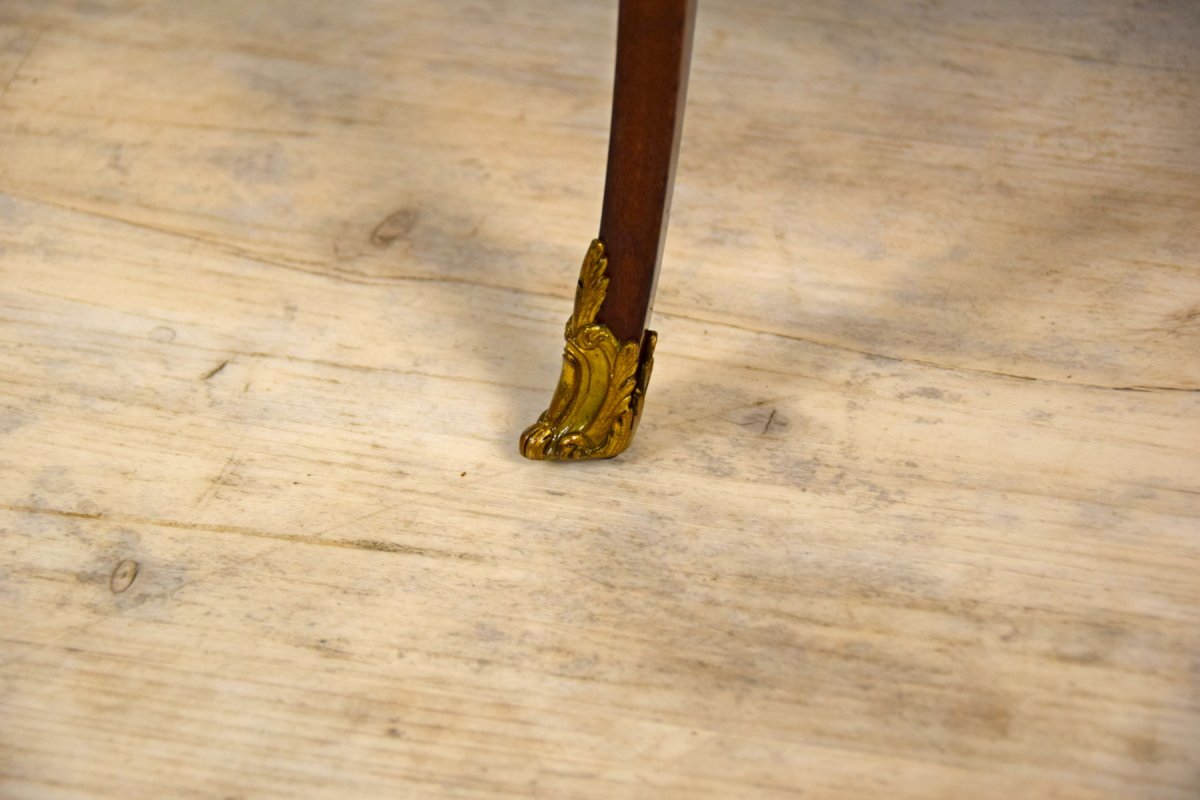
x=20 y=64
x=216 y=482
x=215 y=370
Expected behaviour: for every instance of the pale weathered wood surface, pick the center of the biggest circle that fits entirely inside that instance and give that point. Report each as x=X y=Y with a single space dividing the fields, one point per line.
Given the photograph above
x=913 y=513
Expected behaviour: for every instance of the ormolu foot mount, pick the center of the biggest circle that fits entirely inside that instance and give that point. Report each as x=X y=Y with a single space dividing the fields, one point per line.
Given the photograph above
x=595 y=408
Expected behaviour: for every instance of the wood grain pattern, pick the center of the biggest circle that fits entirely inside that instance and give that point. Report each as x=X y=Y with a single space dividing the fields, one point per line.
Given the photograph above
x=913 y=512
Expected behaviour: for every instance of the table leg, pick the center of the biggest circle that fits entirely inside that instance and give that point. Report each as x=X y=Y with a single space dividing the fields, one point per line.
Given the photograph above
x=608 y=353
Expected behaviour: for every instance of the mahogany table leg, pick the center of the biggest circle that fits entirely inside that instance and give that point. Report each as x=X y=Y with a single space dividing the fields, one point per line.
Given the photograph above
x=608 y=354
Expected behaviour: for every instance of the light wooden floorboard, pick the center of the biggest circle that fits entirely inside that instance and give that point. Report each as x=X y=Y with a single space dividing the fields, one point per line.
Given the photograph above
x=913 y=512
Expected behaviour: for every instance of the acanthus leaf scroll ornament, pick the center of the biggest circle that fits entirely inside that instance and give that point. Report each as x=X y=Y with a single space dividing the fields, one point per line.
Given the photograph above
x=595 y=409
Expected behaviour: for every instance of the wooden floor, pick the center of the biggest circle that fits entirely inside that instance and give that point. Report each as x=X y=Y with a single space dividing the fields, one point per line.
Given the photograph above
x=913 y=512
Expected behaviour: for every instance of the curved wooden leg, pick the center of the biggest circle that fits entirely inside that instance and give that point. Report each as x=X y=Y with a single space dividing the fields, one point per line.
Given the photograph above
x=608 y=354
